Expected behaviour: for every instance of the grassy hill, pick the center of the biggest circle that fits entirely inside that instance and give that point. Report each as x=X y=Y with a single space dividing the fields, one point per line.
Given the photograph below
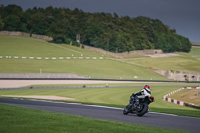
x=183 y=62
x=108 y=67
x=24 y=46
x=95 y=68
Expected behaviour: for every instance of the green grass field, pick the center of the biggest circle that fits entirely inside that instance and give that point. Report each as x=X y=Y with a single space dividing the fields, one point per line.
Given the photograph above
x=30 y=47
x=18 y=120
x=93 y=68
x=195 y=52
x=106 y=68
x=184 y=62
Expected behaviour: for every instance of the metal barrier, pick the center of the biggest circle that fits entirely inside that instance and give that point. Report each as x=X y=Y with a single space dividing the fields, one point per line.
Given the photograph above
x=38 y=75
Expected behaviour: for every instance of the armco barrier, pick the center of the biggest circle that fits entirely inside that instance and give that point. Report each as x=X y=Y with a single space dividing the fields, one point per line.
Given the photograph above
x=182 y=103
x=40 y=76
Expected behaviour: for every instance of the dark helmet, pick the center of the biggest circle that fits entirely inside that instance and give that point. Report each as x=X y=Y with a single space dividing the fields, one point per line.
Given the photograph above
x=146 y=86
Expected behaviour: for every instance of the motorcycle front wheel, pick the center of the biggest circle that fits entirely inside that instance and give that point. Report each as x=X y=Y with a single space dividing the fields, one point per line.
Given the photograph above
x=126 y=111
x=143 y=110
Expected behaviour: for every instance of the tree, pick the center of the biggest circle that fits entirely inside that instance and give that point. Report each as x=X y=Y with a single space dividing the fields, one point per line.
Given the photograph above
x=102 y=30
x=1 y=23
x=12 y=23
x=37 y=23
x=58 y=31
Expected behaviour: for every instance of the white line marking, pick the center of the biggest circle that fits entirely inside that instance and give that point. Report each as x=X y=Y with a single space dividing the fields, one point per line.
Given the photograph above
x=54 y=58
x=162 y=113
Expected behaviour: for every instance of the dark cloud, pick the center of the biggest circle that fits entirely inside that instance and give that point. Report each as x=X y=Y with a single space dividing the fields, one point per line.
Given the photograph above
x=183 y=15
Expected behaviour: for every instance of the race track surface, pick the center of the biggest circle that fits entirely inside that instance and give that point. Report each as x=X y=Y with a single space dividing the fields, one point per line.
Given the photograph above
x=108 y=113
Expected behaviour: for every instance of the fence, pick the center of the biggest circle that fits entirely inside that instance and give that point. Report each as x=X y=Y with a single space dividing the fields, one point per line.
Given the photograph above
x=124 y=54
x=16 y=33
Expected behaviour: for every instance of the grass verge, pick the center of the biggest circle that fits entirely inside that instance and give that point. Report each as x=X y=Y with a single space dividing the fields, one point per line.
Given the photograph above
x=18 y=120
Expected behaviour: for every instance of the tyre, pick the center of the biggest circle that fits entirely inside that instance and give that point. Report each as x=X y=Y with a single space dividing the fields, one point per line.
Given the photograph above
x=143 y=110
x=126 y=111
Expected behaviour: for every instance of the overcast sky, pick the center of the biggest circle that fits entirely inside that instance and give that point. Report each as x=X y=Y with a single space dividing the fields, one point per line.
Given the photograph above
x=183 y=15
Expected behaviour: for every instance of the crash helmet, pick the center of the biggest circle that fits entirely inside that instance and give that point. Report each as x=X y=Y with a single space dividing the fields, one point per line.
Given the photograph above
x=147 y=87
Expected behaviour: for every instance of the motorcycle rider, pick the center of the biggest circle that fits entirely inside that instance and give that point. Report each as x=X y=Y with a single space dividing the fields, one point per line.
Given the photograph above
x=134 y=98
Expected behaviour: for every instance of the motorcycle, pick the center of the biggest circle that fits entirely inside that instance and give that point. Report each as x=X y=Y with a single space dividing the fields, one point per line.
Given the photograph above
x=140 y=109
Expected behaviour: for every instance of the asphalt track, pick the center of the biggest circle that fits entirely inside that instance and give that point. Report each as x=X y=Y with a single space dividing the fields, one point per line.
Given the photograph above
x=190 y=124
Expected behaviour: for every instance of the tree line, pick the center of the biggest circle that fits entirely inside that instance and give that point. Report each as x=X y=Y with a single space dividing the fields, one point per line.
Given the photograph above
x=102 y=30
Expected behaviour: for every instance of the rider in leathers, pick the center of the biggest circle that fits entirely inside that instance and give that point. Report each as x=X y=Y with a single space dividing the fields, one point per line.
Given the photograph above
x=134 y=99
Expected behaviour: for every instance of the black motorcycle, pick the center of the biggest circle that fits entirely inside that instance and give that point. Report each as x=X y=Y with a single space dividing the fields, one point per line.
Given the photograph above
x=140 y=109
